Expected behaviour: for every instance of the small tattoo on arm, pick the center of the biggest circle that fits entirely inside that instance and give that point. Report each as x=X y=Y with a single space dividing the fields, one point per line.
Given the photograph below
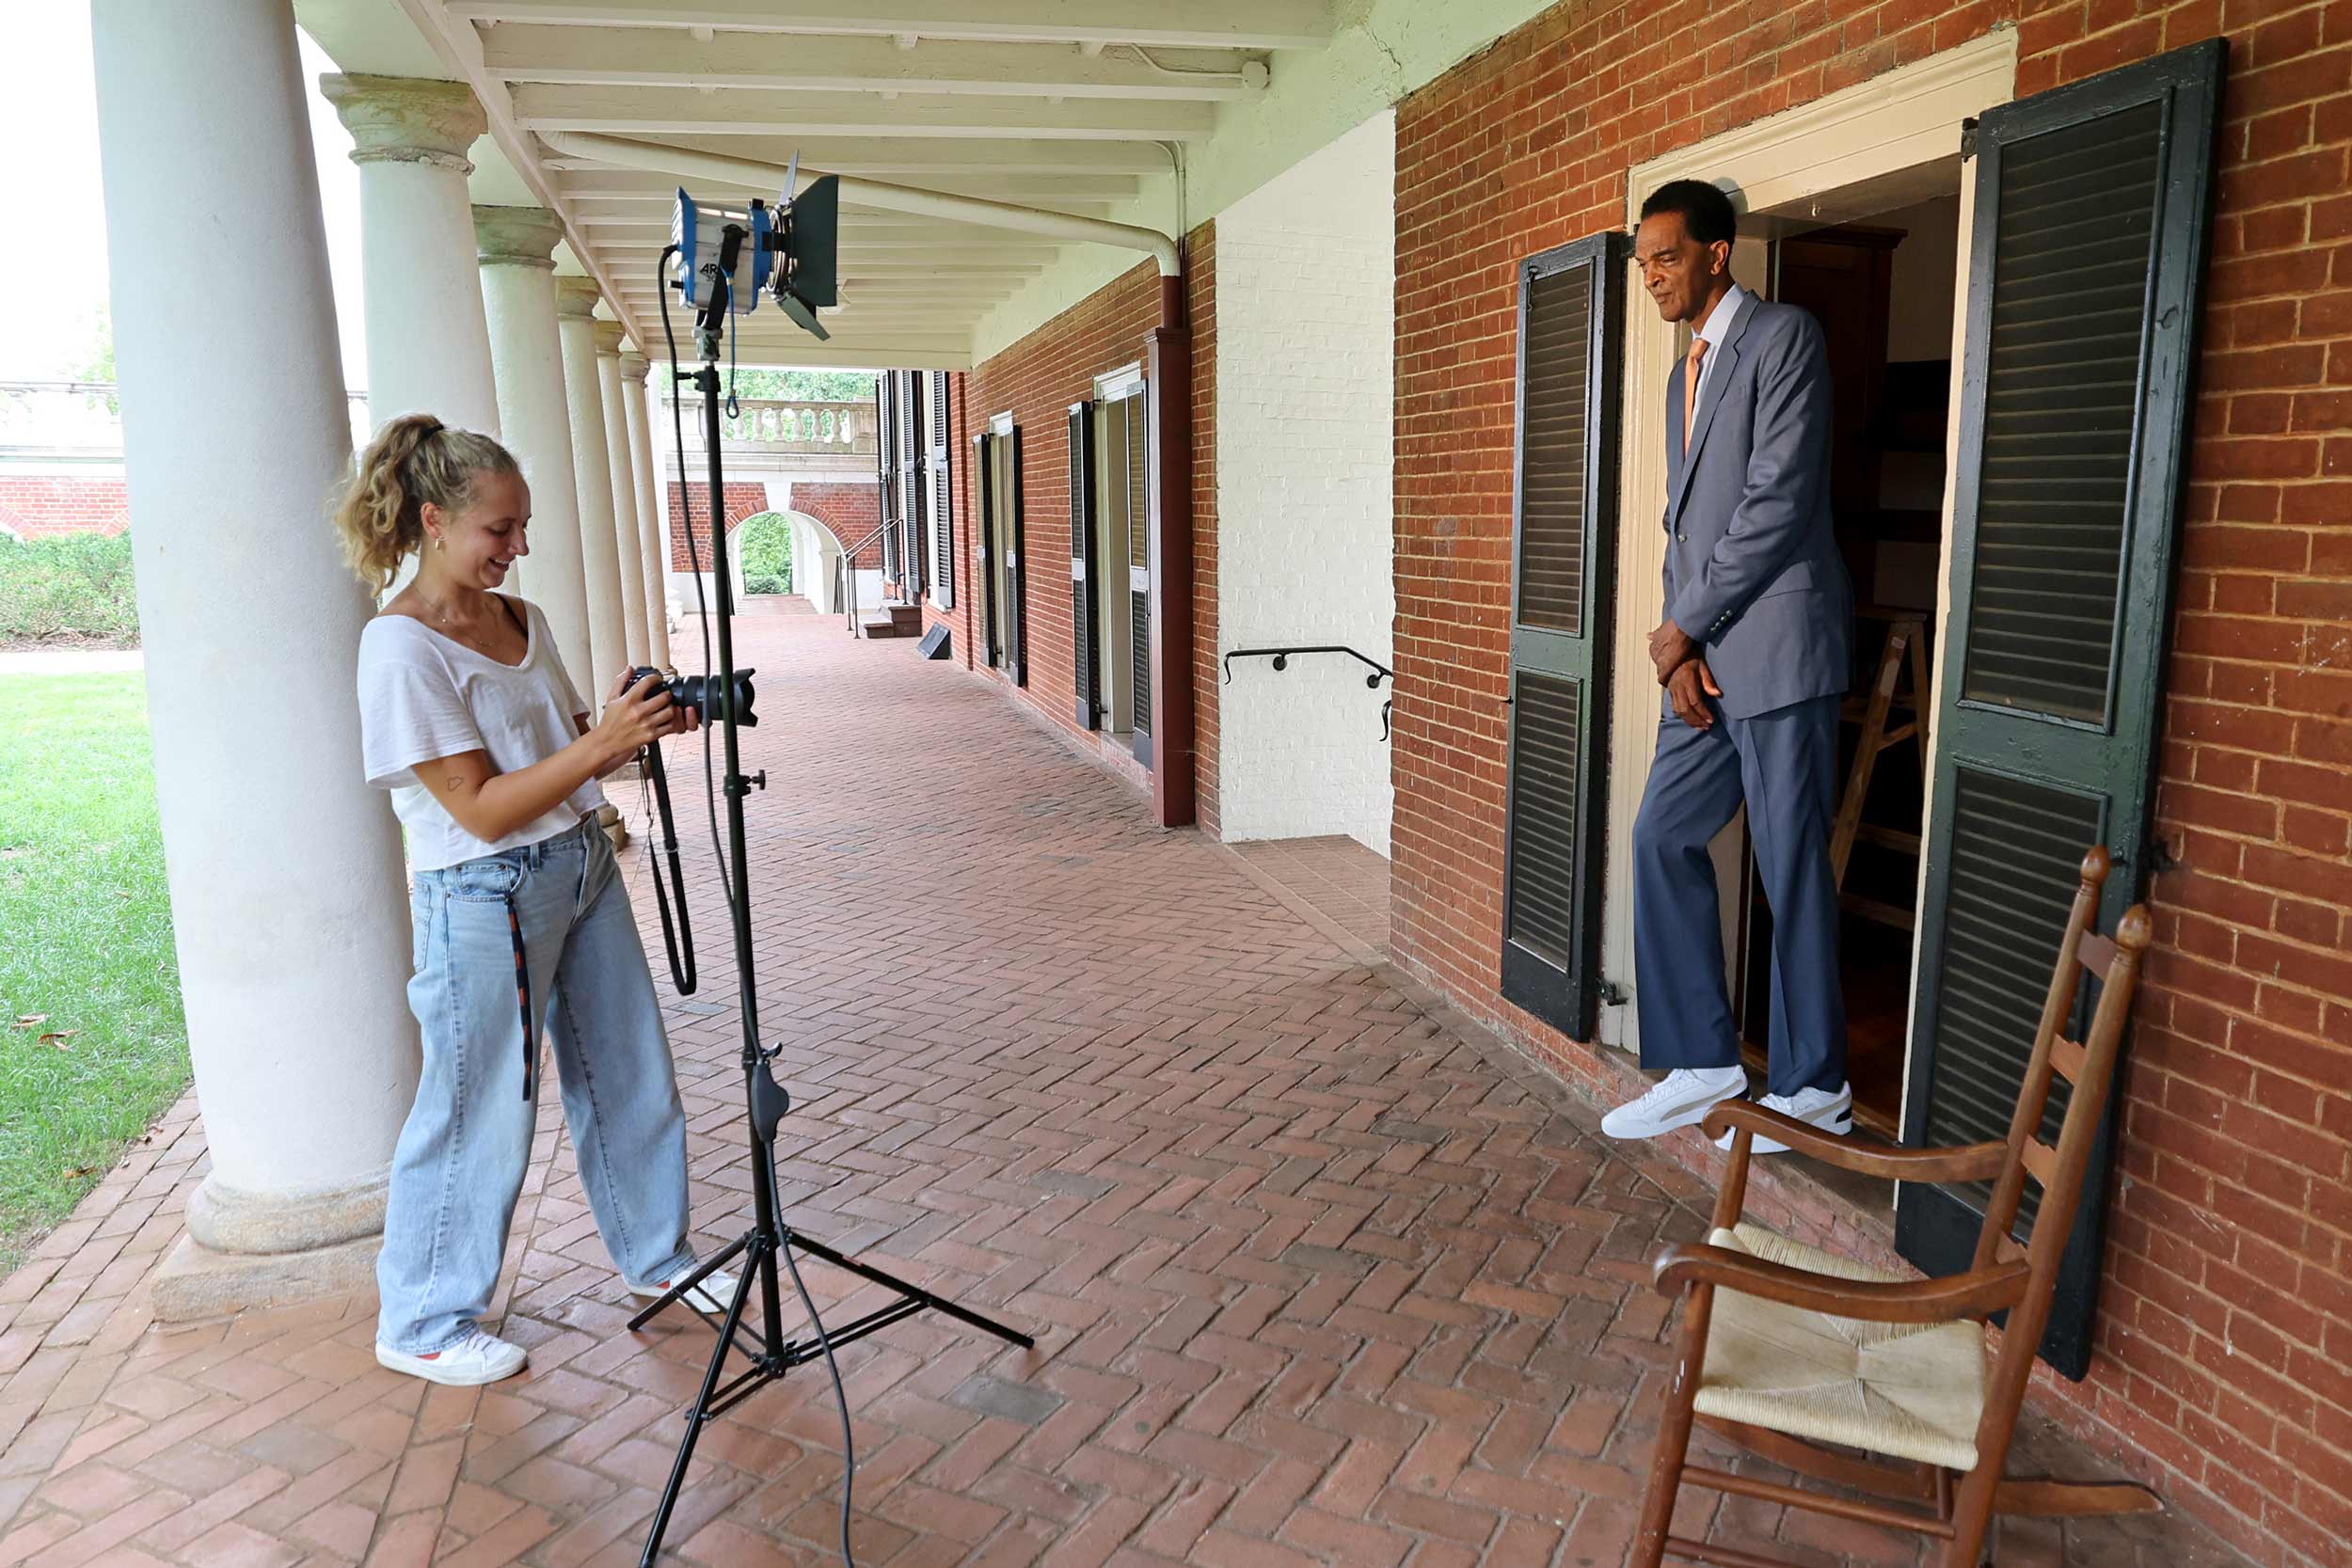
x=457 y=780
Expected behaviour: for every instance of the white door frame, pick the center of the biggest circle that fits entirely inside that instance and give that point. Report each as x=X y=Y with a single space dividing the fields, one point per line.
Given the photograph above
x=1906 y=118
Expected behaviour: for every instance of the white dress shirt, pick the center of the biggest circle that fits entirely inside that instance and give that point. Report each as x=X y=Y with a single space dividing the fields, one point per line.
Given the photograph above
x=1718 y=327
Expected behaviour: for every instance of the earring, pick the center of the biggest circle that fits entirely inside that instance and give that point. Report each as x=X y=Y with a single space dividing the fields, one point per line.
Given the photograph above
x=439 y=543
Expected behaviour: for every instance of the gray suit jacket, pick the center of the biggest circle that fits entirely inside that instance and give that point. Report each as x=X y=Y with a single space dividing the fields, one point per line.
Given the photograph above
x=1753 y=572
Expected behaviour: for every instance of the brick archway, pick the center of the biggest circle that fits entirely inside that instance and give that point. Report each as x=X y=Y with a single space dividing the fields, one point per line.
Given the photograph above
x=849 y=510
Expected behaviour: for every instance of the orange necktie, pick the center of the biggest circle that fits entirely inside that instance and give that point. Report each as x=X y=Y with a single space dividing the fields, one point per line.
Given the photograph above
x=1691 y=387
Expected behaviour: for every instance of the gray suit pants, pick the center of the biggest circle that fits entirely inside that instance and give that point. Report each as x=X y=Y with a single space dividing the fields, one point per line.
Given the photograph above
x=1784 y=764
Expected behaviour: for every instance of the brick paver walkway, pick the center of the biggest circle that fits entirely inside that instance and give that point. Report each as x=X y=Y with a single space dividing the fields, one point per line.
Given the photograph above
x=1315 y=1279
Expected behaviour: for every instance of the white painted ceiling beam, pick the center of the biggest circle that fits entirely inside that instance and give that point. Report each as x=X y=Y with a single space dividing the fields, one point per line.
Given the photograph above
x=634 y=263
x=1193 y=23
x=957 y=289
x=660 y=57
x=937 y=158
x=682 y=111
x=939 y=353
x=613 y=185
x=607 y=232
x=895 y=228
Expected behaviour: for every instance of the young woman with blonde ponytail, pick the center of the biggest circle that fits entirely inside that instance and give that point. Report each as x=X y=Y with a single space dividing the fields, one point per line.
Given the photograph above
x=521 y=923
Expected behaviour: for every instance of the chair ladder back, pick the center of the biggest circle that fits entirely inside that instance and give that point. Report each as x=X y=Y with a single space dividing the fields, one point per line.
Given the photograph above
x=2068 y=1059
x=2097 y=954
x=2034 y=1095
x=2061 y=1177
x=2062 y=1186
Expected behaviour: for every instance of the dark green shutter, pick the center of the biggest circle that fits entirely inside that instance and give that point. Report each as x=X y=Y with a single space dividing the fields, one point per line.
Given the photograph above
x=984 y=544
x=1139 y=572
x=942 y=572
x=1016 y=584
x=885 y=465
x=910 y=487
x=1563 y=573
x=2086 y=282
x=1082 y=571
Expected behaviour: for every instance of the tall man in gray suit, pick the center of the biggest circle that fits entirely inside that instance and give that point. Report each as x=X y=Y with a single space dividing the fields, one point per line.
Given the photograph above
x=1753 y=655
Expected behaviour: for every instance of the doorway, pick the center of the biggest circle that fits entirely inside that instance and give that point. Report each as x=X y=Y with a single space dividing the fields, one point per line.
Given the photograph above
x=1882 y=285
x=1877 y=155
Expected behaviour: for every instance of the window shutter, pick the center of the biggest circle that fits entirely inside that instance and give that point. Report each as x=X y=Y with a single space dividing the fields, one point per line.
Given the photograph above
x=942 y=512
x=2086 y=282
x=983 y=541
x=1563 y=572
x=1016 y=582
x=910 y=487
x=1083 y=610
x=885 y=461
x=1139 y=569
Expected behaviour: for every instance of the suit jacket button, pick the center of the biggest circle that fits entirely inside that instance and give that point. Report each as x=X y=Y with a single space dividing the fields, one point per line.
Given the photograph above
x=1679 y=537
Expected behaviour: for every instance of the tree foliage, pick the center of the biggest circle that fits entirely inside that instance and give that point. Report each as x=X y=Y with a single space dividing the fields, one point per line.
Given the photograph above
x=763 y=543
x=806 y=385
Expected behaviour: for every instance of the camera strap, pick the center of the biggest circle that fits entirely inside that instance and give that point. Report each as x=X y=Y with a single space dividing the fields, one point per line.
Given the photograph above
x=522 y=996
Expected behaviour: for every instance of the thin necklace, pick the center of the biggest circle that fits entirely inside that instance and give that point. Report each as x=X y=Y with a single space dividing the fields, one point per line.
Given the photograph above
x=439 y=613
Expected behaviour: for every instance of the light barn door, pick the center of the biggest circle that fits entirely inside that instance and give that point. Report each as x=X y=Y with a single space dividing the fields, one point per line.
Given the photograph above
x=1082 y=572
x=1563 y=573
x=2086 y=281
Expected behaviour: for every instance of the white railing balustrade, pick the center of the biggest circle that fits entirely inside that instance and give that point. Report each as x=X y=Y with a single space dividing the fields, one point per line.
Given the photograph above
x=80 y=421
x=787 y=426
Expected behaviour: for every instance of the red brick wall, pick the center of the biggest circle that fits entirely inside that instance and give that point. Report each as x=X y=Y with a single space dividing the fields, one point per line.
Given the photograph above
x=852 y=511
x=1037 y=379
x=1200 y=315
x=849 y=510
x=34 y=507
x=2226 y=1324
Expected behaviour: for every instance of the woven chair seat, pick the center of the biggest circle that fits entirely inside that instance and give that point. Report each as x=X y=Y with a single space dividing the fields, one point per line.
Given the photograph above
x=1914 y=1391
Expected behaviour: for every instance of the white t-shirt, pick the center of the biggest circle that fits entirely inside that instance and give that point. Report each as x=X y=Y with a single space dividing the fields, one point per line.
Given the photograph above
x=423 y=695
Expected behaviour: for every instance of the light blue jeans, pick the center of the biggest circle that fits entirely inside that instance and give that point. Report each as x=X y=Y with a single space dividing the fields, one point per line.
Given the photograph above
x=551 y=921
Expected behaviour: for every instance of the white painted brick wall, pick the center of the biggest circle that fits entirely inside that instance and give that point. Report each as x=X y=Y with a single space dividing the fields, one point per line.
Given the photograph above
x=1305 y=318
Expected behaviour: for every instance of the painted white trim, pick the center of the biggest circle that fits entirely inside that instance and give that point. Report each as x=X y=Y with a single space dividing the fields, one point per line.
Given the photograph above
x=1893 y=122
x=1124 y=381
x=1000 y=424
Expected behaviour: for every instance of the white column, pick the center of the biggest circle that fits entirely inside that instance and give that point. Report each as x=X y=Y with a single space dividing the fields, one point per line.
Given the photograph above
x=592 y=471
x=628 y=550
x=653 y=495
x=428 y=348
x=284 y=866
x=516 y=247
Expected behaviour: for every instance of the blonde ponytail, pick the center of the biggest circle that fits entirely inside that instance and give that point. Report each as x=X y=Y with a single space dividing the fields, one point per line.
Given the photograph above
x=414 y=460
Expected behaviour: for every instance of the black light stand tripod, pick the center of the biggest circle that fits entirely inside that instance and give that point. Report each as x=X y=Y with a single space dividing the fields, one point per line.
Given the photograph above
x=768 y=1355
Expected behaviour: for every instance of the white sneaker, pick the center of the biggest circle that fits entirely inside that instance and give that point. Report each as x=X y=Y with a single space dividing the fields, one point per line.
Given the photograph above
x=1830 y=1111
x=476 y=1359
x=713 y=1295
x=1681 y=1098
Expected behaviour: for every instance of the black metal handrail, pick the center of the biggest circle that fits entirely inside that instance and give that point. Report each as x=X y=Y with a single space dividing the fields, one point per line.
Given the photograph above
x=1282 y=658
x=849 y=574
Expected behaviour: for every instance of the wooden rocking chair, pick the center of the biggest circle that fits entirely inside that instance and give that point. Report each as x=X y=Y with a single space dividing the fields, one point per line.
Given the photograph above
x=1785 y=1349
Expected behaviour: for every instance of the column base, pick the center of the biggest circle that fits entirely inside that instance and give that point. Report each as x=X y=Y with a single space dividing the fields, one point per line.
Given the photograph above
x=196 y=1282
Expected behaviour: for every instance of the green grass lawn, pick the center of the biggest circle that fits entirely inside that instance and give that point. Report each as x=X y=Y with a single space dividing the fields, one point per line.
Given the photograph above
x=84 y=944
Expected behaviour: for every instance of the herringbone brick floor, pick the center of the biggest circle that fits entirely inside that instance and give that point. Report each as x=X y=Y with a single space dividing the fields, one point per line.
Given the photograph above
x=1315 y=1278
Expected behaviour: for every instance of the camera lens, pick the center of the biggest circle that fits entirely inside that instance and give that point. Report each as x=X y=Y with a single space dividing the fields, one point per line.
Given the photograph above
x=704 y=695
